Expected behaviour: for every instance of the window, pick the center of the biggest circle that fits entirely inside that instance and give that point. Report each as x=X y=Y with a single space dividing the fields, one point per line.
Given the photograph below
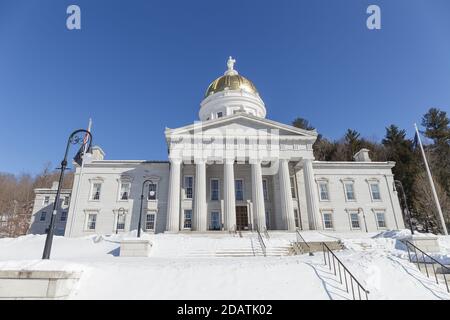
x=152 y=191
x=92 y=219
x=125 y=190
x=293 y=188
x=215 y=221
x=296 y=217
x=375 y=190
x=323 y=191
x=354 y=220
x=214 y=189
x=219 y=114
x=46 y=200
x=381 y=220
x=349 y=191
x=96 y=189
x=66 y=200
x=187 y=219
x=43 y=216
x=188 y=186
x=150 y=221
x=239 y=189
x=63 y=217
x=265 y=189
x=327 y=220
x=121 y=218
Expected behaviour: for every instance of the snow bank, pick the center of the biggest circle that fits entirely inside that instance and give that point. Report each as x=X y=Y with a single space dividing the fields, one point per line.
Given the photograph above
x=184 y=267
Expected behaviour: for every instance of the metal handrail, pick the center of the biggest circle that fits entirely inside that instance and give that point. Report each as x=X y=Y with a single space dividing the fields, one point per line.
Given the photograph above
x=326 y=252
x=301 y=239
x=434 y=261
x=266 y=233
x=261 y=241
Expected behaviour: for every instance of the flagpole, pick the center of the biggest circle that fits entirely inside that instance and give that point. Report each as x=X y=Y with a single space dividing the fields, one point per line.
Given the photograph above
x=430 y=178
x=79 y=182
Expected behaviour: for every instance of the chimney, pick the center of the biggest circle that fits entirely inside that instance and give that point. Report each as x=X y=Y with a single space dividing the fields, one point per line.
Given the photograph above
x=55 y=185
x=97 y=153
x=362 y=156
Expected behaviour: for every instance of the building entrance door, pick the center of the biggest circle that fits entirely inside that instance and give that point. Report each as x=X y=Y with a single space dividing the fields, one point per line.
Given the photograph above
x=241 y=218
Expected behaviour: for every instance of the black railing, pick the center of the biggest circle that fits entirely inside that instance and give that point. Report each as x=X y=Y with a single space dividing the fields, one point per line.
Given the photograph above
x=431 y=261
x=261 y=242
x=332 y=259
x=300 y=239
x=266 y=233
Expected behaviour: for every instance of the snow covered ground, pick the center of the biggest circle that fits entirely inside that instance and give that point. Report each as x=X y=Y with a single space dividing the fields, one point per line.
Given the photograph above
x=186 y=267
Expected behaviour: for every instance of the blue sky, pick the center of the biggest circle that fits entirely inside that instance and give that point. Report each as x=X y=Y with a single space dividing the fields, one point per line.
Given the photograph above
x=137 y=67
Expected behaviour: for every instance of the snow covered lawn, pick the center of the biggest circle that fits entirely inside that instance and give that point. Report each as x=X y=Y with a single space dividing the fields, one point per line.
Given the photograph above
x=185 y=267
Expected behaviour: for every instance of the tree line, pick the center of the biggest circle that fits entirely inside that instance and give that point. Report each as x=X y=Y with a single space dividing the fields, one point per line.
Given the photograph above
x=409 y=167
x=17 y=197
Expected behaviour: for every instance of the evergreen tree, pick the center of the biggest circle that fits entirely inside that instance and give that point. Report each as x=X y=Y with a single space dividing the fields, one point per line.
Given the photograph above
x=436 y=124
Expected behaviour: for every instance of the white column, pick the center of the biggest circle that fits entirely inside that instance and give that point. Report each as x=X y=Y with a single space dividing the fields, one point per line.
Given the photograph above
x=258 y=196
x=199 y=214
x=229 y=196
x=173 y=205
x=312 y=202
x=287 y=209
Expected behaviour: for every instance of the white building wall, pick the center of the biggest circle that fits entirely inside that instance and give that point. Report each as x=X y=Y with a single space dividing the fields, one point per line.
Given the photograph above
x=39 y=227
x=336 y=174
x=109 y=173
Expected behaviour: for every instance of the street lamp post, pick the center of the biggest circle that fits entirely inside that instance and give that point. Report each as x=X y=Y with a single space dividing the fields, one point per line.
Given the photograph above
x=120 y=211
x=142 y=200
x=74 y=138
x=399 y=183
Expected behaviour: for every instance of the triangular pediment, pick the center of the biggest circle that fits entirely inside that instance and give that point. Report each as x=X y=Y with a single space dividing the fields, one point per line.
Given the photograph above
x=242 y=124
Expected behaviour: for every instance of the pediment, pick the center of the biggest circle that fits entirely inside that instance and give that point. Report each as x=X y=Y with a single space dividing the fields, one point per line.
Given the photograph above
x=242 y=124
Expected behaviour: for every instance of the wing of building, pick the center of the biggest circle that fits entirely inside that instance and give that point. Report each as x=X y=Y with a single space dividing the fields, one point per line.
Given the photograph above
x=233 y=170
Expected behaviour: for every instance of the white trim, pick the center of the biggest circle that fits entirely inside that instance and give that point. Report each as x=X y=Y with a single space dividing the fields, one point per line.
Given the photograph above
x=184 y=218
x=349 y=215
x=184 y=187
x=116 y=218
x=331 y=212
x=327 y=183
x=120 y=183
x=370 y=182
x=156 y=191
x=349 y=181
x=87 y=212
x=380 y=210
x=93 y=182
x=155 y=213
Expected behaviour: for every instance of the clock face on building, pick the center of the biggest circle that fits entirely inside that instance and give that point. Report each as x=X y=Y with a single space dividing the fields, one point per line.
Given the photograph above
x=152 y=193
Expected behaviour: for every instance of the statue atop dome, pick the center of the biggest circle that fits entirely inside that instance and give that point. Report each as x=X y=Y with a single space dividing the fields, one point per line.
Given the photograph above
x=230 y=65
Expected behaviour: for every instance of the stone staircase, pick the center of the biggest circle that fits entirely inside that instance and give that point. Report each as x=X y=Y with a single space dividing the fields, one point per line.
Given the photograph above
x=298 y=248
x=246 y=244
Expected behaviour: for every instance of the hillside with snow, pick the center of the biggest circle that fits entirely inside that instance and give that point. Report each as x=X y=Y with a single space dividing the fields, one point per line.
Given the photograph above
x=225 y=266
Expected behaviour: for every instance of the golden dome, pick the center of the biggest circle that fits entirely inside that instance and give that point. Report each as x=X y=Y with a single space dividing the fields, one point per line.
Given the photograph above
x=231 y=82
